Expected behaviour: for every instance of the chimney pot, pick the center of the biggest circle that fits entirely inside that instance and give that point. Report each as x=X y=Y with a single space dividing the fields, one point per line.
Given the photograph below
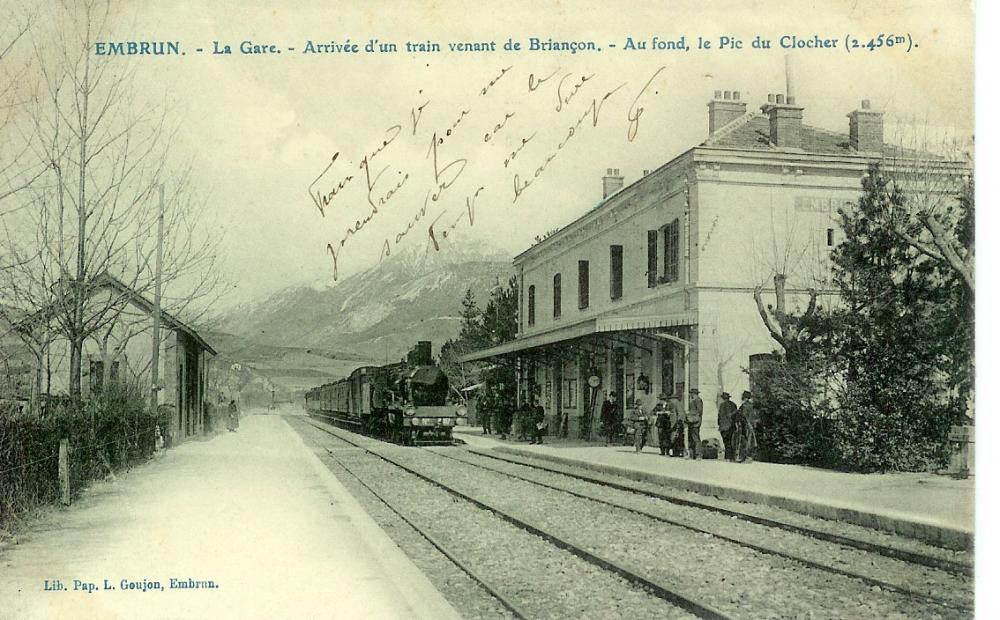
x=865 y=128
x=724 y=109
x=784 y=121
x=613 y=182
x=791 y=100
x=770 y=98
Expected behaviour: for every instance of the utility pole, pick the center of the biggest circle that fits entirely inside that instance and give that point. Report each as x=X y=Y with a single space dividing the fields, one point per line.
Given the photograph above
x=154 y=399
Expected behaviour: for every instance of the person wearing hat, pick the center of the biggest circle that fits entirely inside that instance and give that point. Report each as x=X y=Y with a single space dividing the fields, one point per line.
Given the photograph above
x=746 y=430
x=662 y=411
x=677 y=427
x=695 y=409
x=609 y=417
x=727 y=409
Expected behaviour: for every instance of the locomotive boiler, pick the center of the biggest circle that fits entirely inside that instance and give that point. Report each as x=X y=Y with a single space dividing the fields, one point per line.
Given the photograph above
x=405 y=402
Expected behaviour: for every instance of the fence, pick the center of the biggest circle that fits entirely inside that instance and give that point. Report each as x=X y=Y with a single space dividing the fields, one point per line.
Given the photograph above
x=106 y=434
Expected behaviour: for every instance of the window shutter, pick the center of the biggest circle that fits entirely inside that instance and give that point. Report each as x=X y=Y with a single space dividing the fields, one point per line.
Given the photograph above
x=531 y=305
x=557 y=296
x=616 y=272
x=671 y=251
x=651 y=258
x=583 y=287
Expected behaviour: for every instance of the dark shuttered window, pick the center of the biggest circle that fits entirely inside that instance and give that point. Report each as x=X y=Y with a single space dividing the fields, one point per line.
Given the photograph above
x=616 y=272
x=557 y=296
x=583 y=284
x=671 y=251
x=531 y=305
x=651 y=236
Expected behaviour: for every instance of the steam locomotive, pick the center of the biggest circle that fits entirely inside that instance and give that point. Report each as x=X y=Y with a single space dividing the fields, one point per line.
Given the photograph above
x=405 y=403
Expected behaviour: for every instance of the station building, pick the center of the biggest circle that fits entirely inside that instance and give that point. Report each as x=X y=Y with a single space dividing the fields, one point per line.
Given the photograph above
x=122 y=350
x=651 y=291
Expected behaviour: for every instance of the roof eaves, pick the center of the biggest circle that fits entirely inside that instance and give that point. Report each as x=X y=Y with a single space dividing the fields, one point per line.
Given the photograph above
x=619 y=195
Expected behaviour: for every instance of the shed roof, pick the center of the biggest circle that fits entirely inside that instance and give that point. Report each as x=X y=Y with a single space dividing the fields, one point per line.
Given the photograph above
x=109 y=282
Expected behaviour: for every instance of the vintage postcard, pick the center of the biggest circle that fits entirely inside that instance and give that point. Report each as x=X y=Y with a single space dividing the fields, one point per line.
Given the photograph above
x=558 y=309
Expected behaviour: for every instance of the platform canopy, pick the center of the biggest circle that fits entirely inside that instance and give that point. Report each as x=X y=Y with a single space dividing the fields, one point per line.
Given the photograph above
x=597 y=326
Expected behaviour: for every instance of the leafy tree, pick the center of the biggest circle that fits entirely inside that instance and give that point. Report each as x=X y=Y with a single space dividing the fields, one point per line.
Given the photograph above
x=891 y=347
x=470 y=338
x=498 y=396
x=481 y=329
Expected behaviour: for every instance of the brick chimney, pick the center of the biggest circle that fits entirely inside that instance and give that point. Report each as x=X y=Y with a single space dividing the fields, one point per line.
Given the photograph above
x=866 y=128
x=613 y=181
x=785 y=121
x=724 y=109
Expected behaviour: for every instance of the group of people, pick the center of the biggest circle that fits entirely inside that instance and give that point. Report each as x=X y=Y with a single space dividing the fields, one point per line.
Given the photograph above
x=673 y=426
x=738 y=427
x=528 y=422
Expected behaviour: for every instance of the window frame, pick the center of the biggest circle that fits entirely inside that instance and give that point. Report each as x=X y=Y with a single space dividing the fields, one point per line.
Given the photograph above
x=617 y=275
x=531 y=305
x=557 y=296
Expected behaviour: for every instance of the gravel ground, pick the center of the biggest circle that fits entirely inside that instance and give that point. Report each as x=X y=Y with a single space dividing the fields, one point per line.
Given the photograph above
x=918 y=578
x=544 y=581
x=740 y=582
x=838 y=528
x=471 y=600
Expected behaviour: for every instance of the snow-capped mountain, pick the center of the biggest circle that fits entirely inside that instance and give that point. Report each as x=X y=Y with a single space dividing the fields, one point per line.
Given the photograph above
x=379 y=314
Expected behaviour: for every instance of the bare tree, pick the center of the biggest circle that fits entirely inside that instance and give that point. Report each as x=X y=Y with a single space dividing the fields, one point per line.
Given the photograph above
x=789 y=255
x=15 y=91
x=934 y=173
x=93 y=212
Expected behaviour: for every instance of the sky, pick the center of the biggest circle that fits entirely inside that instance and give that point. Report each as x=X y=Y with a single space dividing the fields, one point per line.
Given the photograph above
x=270 y=132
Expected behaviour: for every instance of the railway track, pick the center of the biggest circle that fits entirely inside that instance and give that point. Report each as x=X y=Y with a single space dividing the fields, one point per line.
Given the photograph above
x=664 y=589
x=930 y=561
x=735 y=539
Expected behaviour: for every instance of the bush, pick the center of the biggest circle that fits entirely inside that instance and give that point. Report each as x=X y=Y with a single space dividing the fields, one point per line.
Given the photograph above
x=795 y=424
x=893 y=435
x=109 y=432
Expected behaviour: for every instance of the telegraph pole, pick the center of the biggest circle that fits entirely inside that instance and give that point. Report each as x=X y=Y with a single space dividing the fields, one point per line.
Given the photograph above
x=154 y=400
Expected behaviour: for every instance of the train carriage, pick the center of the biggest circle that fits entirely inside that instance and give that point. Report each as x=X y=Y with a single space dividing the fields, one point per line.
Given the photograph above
x=404 y=402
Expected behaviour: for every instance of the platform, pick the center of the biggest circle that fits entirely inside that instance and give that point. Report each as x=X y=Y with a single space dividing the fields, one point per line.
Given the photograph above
x=930 y=507
x=254 y=512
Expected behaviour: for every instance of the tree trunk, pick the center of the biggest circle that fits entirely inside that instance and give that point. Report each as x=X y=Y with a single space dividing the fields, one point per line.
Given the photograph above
x=75 y=366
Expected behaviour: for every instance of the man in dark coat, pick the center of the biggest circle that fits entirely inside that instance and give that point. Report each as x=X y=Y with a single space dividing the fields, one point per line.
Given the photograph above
x=486 y=417
x=694 y=413
x=727 y=409
x=521 y=420
x=677 y=429
x=747 y=429
x=662 y=412
x=609 y=417
x=537 y=421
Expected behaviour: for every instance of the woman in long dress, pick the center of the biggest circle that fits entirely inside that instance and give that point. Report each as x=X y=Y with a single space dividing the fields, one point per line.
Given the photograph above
x=234 y=416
